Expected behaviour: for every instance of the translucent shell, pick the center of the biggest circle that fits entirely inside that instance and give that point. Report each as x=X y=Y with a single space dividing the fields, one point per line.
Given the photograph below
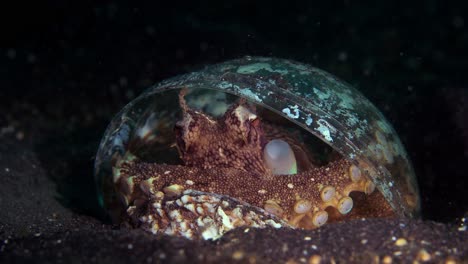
x=317 y=101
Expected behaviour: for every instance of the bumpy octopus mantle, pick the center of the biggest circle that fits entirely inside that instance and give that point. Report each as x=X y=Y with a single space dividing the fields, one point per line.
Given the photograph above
x=225 y=182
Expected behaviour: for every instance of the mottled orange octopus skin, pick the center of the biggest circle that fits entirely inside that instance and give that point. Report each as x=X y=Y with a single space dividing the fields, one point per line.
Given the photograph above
x=224 y=157
x=235 y=141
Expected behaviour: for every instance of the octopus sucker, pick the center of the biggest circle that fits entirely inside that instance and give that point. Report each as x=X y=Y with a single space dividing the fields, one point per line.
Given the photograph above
x=319 y=218
x=327 y=193
x=354 y=173
x=302 y=206
x=345 y=205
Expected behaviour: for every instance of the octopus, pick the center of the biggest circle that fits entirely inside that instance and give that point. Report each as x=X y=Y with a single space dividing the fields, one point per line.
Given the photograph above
x=240 y=171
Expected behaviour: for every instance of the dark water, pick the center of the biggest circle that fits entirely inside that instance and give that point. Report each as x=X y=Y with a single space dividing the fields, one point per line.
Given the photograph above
x=66 y=68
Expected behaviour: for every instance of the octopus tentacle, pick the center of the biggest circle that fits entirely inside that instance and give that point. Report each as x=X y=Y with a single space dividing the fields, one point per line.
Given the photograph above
x=297 y=199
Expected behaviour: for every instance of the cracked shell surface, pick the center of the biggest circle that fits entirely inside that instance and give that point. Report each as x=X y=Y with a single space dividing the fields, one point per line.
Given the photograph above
x=316 y=102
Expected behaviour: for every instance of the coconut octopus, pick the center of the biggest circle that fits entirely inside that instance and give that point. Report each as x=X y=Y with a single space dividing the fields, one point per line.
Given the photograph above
x=240 y=171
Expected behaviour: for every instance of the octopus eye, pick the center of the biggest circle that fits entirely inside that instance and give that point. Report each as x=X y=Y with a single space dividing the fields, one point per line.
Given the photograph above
x=279 y=157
